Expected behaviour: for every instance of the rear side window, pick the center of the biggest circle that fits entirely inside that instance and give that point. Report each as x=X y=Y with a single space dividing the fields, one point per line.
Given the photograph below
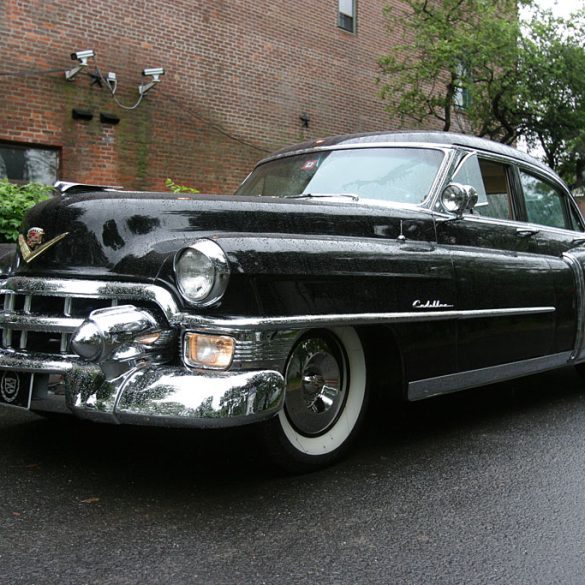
x=545 y=204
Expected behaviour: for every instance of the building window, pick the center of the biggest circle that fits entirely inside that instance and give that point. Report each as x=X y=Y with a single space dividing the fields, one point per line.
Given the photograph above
x=462 y=96
x=347 y=10
x=29 y=164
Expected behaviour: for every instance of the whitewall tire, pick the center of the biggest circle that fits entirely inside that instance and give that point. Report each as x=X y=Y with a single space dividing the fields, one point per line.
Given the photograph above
x=326 y=397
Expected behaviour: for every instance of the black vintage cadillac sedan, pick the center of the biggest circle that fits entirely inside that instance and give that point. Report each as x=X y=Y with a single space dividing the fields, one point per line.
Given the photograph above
x=414 y=263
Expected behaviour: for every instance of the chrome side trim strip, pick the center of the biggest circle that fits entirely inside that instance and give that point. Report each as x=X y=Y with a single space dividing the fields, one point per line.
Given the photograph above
x=421 y=389
x=164 y=299
x=577 y=269
x=304 y=321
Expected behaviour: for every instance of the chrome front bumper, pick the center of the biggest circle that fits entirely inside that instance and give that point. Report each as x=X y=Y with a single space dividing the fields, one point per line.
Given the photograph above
x=170 y=396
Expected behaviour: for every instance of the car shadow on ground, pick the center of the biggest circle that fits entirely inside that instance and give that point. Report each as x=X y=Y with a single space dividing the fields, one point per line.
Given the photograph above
x=159 y=458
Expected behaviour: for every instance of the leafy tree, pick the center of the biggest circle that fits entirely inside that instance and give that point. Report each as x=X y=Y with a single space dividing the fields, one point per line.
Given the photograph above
x=473 y=66
x=552 y=97
x=15 y=201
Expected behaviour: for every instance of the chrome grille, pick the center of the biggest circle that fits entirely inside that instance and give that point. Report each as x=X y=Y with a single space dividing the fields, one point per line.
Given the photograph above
x=39 y=315
x=41 y=323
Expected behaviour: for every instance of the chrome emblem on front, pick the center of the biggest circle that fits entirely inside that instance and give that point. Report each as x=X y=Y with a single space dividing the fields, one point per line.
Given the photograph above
x=9 y=386
x=33 y=246
x=436 y=304
x=34 y=237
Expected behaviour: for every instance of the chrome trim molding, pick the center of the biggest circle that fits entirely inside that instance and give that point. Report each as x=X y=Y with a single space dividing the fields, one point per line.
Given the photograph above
x=307 y=321
x=577 y=269
x=168 y=396
x=420 y=389
x=24 y=361
x=445 y=148
x=27 y=322
x=171 y=396
x=92 y=289
x=258 y=350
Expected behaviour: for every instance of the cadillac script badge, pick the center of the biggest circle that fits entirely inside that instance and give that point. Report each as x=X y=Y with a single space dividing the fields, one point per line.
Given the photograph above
x=32 y=246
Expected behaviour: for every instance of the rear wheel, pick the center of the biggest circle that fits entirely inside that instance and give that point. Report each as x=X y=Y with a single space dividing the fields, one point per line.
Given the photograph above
x=325 y=401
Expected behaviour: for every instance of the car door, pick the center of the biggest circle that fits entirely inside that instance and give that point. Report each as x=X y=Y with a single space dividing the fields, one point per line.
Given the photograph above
x=503 y=285
x=556 y=232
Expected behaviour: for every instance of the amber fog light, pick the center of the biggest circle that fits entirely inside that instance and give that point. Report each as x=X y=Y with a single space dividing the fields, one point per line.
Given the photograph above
x=208 y=351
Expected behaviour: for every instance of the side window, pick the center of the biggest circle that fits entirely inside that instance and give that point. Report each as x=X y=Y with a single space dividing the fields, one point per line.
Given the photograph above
x=490 y=180
x=545 y=204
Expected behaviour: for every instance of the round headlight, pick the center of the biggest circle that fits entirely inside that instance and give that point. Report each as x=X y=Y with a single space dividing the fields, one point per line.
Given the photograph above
x=202 y=272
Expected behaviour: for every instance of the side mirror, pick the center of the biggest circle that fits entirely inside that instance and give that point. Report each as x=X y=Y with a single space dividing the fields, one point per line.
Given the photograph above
x=456 y=198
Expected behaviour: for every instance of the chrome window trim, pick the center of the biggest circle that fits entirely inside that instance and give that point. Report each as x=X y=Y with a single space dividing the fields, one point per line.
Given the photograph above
x=465 y=153
x=442 y=172
x=355 y=146
x=515 y=223
x=511 y=160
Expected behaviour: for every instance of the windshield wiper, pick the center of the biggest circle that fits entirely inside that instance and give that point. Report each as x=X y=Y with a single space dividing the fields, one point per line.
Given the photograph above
x=352 y=196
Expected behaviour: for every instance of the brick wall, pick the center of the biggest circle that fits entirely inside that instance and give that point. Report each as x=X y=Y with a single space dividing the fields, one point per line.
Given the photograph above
x=238 y=76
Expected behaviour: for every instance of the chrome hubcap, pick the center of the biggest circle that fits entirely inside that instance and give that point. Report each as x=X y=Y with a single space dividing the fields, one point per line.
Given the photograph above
x=316 y=381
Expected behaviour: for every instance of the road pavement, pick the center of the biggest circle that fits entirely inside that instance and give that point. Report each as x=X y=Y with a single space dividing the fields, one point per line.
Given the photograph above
x=481 y=487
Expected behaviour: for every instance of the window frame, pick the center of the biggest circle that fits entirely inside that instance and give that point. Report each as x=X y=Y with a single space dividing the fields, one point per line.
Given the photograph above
x=568 y=207
x=343 y=16
x=511 y=180
x=23 y=146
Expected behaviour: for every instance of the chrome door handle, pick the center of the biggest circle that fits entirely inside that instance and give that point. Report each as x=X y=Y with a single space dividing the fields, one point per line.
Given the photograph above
x=526 y=232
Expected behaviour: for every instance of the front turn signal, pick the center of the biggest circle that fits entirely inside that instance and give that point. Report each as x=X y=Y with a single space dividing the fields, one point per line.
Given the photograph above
x=208 y=351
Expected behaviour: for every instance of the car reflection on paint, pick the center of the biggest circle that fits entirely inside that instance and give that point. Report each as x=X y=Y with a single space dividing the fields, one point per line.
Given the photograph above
x=411 y=264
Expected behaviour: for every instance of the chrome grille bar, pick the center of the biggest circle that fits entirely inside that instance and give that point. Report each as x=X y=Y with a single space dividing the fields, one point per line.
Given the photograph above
x=39 y=315
x=42 y=323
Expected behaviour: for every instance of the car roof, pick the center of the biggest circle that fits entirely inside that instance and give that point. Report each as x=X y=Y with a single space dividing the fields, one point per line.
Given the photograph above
x=421 y=137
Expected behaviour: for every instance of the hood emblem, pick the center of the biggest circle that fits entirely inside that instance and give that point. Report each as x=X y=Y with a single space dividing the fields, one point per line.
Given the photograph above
x=33 y=246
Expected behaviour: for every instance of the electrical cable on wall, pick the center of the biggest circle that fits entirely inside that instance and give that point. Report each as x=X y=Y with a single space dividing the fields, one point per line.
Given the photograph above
x=111 y=84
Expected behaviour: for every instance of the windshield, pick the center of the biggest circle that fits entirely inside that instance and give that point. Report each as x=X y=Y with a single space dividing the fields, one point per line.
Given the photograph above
x=402 y=175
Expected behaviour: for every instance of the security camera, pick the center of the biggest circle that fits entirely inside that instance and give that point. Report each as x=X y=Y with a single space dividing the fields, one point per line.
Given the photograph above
x=154 y=72
x=83 y=56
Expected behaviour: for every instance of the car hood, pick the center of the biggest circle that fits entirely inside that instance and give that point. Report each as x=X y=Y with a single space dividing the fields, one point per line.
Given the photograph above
x=132 y=235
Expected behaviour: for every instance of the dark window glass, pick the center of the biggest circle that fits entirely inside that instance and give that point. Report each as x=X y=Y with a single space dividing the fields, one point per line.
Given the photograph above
x=544 y=203
x=490 y=180
x=28 y=164
x=576 y=220
x=346 y=19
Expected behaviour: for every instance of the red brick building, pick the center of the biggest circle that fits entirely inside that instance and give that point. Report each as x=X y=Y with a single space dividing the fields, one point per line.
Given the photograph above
x=241 y=80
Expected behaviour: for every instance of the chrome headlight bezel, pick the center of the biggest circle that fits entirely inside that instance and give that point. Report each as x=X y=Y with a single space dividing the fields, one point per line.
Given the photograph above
x=216 y=272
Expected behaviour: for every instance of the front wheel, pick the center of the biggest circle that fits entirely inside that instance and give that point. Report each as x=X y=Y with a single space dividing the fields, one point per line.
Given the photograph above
x=325 y=401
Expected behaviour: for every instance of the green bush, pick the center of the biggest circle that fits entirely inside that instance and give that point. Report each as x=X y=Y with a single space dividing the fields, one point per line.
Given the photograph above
x=15 y=201
x=172 y=186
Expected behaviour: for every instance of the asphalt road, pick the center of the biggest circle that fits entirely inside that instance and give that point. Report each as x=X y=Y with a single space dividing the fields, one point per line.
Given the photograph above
x=482 y=487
